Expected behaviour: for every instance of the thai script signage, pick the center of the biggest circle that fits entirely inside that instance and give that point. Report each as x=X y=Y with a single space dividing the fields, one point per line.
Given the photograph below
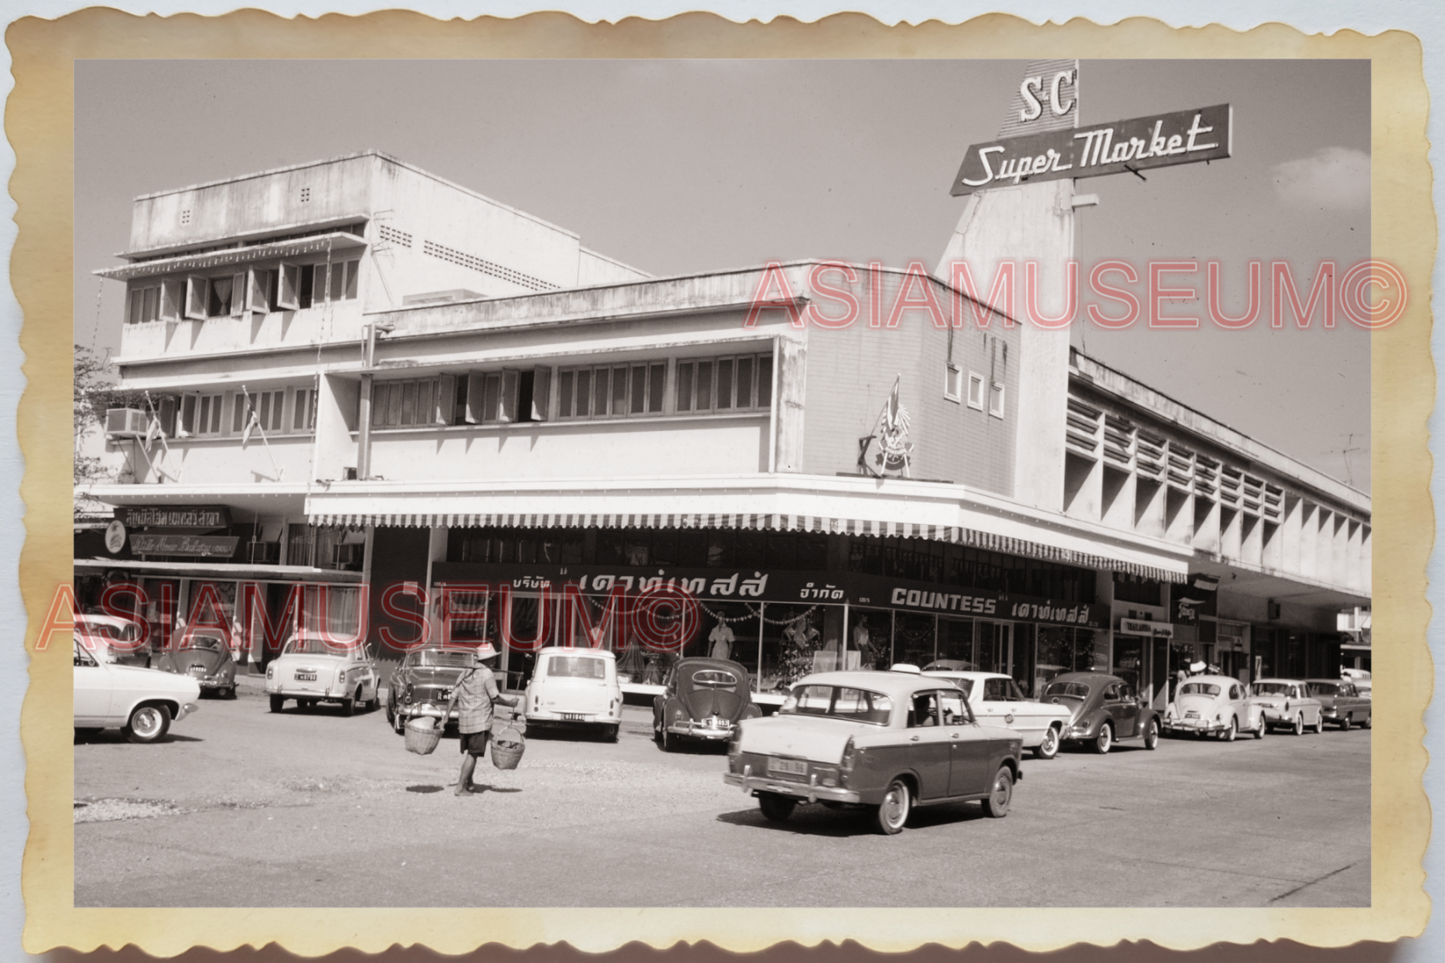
x=198 y=546
x=1142 y=143
x=197 y=517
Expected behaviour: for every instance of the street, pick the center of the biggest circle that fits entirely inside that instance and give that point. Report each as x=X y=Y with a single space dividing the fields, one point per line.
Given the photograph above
x=241 y=807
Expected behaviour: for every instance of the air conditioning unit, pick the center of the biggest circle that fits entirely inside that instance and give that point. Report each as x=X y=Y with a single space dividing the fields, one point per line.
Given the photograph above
x=125 y=422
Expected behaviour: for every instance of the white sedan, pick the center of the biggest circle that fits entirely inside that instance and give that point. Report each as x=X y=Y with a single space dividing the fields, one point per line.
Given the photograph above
x=313 y=668
x=996 y=701
x=141 y=702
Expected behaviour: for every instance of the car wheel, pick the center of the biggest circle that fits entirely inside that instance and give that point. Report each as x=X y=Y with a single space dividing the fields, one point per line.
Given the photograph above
x=348 y=706
x=277 y=702
x=776 y=808
x=897 y=804
x=1320 y=724
x=669 y=742
x=1049 y=748
x=1151 y=735
x=610 y=733
x=147 y=723
x=1345 y=724
x=1259 y=729
x=1228 y=734
x=391 y=715
x=996 y=804
x=1366 y=723
x=1104 y=740
x=1299 y=724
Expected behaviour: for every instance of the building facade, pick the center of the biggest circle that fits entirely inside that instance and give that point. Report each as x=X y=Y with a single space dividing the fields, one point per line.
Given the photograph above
x=383 y=398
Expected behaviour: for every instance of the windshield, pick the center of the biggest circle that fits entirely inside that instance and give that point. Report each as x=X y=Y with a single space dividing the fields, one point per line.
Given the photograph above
x=715 y=678
x=1324 y=688
x=1271 y=689
x=839 y=702
x=108 y=631
x=438 y=658
x=1067 y=690
x=1199 y=688
x=576 y=667
x=308 y=645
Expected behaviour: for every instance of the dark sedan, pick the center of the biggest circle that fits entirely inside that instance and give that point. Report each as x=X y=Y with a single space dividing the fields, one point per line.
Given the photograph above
x=422 y=685
x=205 y=657
x=1341 y=702
x=703 y=701
x=1105 y=710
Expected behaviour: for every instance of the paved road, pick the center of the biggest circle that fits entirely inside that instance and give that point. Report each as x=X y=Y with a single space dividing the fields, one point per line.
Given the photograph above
x=239 y=807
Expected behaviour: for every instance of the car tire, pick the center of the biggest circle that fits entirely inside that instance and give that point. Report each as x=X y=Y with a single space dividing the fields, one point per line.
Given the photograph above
x=610 y=732
x=1299 y=724
x=1259 y=729
x=776 y=808
x=669 y=742
x=1049 y=748
x=896 y=806
x=1366 y=723
x=147 y=723
x=348 y=706
x=277 y=702
x=996 y=803
x=391 y=715
x=1151 y=735
x=1345 y=724
x=1228 y=734
x=1104 y=740
x=1320 y=724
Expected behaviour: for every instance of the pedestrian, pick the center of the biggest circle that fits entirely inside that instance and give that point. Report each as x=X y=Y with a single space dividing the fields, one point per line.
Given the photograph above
x=473 y=696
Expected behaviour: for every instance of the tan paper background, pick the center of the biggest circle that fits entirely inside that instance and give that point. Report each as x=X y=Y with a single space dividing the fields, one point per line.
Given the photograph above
x=39 y=125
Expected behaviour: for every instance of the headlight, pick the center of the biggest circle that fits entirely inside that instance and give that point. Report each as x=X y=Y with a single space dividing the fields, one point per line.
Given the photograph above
x=270 y=670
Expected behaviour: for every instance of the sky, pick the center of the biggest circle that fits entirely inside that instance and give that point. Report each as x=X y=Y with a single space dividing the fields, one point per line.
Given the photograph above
x=685 y=166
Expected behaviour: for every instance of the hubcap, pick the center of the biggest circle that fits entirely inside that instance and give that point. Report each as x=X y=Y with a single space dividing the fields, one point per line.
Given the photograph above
x=893 y=808
x=1000 y=792
x=147 y=722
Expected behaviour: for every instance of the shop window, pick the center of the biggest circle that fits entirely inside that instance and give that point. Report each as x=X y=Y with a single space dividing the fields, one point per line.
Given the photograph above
x=995 y=400
x=1132 y=588
x=612 y=391
x=975 y=390
x=200 y=414
x=953 y=382
x=742 y=383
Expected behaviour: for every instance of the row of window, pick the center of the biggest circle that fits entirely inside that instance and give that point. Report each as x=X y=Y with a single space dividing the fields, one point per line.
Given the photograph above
x=979 y=390
x=286 y=287
x=737 y=383
x=217 y=414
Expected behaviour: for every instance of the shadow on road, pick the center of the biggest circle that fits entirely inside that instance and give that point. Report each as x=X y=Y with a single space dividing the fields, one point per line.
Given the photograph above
x=424 y=789
x=116 y=737
x=819 y=820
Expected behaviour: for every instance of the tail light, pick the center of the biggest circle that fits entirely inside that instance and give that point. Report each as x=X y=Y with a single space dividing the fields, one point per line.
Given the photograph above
x=849 y=753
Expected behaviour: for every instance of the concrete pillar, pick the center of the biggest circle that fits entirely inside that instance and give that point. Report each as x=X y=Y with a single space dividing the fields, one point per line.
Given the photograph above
x=1178 y=516
x=1290 y=534
x=1118 y=498
x=1149 y=507
x=1309 y=537
x=1083 y=488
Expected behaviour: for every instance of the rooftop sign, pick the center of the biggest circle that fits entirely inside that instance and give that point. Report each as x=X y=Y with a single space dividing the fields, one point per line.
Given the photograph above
x=1162 y=140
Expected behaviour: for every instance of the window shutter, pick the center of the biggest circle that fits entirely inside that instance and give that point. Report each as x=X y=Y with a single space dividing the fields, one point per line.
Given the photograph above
x=318 y=286
x=510 y=383
x=541 y=393
x=188 y=413
x=256 y=292
x=167 y=411
x=476 y=385
x=288 y=294
x=446 y=399
x=173 y=292
x=197 y=290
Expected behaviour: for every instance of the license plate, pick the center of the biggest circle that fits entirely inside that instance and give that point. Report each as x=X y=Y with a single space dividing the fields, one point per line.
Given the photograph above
x=573 y=717
x=306 y=677
x=788 y=767
x=1191 y=715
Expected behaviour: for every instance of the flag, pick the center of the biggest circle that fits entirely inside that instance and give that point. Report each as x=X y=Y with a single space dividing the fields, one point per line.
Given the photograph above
x=895 y=415
x=251 y=422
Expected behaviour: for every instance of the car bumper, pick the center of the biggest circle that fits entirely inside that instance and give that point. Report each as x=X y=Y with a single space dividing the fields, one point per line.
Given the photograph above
x=426 y=711
x=1277 y=716
x=579 y=718
x=299 y=692
x=698 y=730
x=1193 y=725
x=810 y=791
x=186 y=709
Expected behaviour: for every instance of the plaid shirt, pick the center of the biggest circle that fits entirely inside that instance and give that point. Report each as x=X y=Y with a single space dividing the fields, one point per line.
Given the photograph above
x=475 y=694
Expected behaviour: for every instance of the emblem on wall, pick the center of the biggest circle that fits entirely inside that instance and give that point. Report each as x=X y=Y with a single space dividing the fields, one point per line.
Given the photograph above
x=887 y=451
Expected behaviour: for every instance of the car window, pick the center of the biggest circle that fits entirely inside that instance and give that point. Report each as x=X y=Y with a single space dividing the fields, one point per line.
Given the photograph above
x=923 y=711
x=955 y=713
x=1271 y=689
x=966 y=685
x=1014 y=694
x=715 y=678
x=1347 y=690
x=83 y=657
x=856 y=705
x=1199 y=688
x=1068 y=690
x=576 y=667
x=1323 y=688
x=1234 y=691
x=996 y=690
x=1111 y=693
x=1126 y=692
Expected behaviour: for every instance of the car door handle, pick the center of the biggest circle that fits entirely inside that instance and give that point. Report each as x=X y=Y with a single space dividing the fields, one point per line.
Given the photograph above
x=914 y=739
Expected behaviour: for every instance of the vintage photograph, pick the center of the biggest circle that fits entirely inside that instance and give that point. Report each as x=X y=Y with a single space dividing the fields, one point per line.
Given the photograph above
x=724 y=483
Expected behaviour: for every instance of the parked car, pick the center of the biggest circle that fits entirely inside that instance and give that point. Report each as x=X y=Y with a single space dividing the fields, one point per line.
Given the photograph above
x=1340 y=703
x=141 y=702
x=1213 y=705
x=423 y=683
x=205 y=657
x=575 y=686
x=883 y=740
x=113 y=639
x=1361 y=679
x=1287 y=704
x=703 y=700
x=312 y=669
x=996 y=700
x=1104 y=709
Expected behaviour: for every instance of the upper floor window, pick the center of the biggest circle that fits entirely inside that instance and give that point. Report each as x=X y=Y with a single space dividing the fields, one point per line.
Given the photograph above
x=266 y=405
x=611 y=391
x=743 y=382
x=337 y=281
x=995 y=400
x=975 y=390
x=953 y=382
x=201 y=414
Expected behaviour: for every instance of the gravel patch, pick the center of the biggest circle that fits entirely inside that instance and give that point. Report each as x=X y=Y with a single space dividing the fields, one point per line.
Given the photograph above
x=110 y=810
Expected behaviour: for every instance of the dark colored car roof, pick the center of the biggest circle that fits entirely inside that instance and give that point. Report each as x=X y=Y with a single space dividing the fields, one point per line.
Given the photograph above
x=1102 y=678
x=686 y=667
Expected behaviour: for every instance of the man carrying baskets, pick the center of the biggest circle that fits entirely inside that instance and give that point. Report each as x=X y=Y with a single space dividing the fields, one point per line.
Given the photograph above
x=474 y=695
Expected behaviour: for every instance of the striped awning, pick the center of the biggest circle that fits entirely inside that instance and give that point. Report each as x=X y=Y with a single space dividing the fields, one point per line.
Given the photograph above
x=952 y=534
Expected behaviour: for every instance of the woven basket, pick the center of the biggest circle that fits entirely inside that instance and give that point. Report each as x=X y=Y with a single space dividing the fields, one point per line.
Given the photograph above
x=507 y=748
x=422 y=736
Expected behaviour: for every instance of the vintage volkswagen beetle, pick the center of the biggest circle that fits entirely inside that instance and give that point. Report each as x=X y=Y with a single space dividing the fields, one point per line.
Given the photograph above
x=1103 y=710
x=141 y=702
x=313 y=668
x=884 y=740
x=575 y=686
x=1287 y=704
x=996 y=700
x=1340 y=703
x=205 y=657
x=1213 y=705
x=704 y=699
x=422 y=685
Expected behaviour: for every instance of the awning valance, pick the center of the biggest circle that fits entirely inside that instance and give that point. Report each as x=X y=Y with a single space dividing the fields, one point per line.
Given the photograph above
x=335 y=242
x=953 y=534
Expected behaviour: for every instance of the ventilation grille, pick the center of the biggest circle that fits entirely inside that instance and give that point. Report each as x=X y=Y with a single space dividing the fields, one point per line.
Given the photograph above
x=484 y=266
x=305 y=195
x=186 y=216
x=393 y=236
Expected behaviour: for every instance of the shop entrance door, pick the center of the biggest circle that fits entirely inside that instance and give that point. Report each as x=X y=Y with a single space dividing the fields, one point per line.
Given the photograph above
x=993 y=646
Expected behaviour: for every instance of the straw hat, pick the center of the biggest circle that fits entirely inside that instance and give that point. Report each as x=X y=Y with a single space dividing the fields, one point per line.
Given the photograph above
x=1197 y=667
x=484 y=653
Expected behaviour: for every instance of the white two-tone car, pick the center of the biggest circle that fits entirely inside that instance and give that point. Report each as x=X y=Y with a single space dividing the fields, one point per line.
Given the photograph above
x=312 y=668
x=141 y=702
x=997 y=701
x=1287 y=704
x=577 y=686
